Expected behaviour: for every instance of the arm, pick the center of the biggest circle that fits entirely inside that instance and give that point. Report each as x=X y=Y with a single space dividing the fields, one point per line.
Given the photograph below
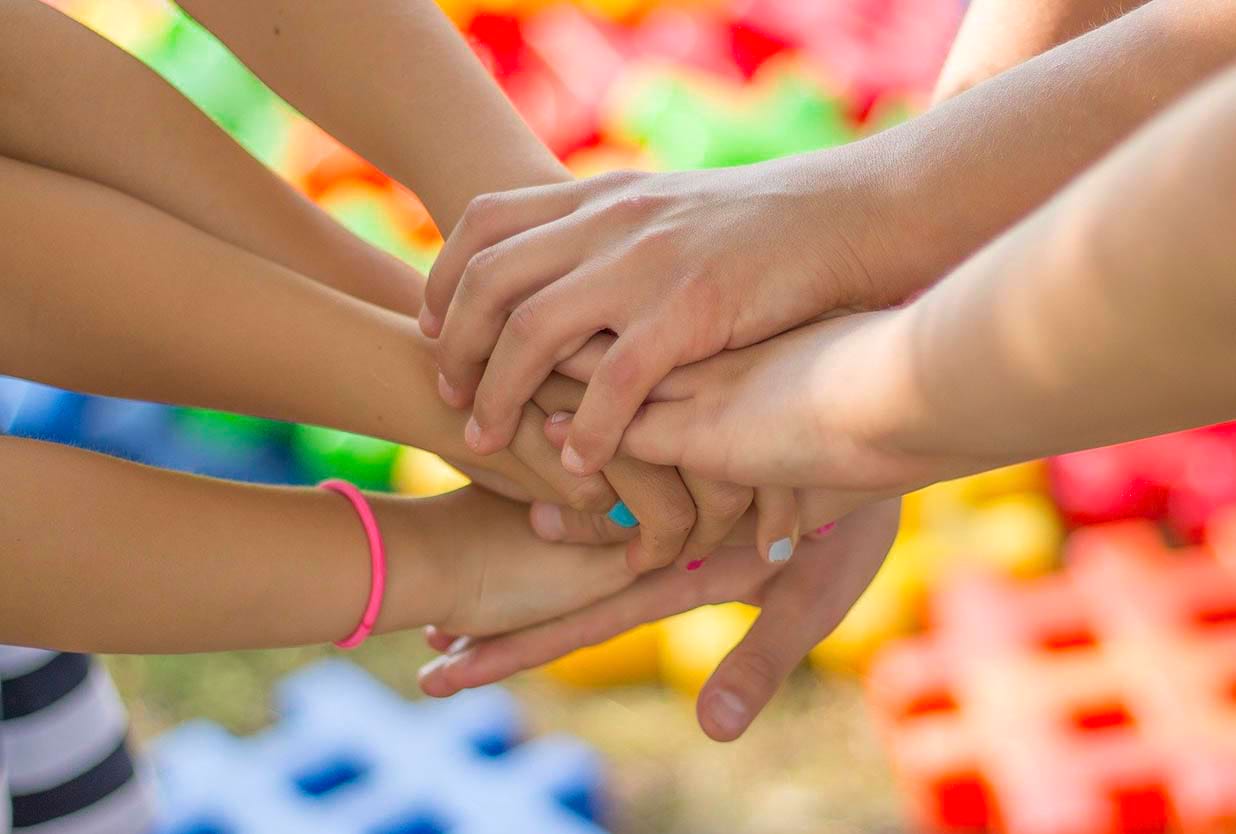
x=686 y=264
x=426 y=96
x=1104 y=317
x=108 y=295
x=997 y=35
x=107 y=118
x=232 y=566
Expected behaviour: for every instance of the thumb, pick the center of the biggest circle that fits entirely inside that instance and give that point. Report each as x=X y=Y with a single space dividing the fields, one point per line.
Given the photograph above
x=657 y=435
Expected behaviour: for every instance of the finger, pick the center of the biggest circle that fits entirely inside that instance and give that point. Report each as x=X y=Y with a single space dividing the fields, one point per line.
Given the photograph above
x=660 y=432
x=488 y=219
x=581 y=365
x=776 y=531
x=652 y=597
x=655 y=496
x=718 y=508
x=638 y=360
x=495 y=281
x=592 y=494
x=544 y=329
x=438 y=639
x=823 y=508
x=751 y=674
x=561 y=524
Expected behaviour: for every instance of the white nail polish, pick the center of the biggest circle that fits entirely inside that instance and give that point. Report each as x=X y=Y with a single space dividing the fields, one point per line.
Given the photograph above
x=781 y=550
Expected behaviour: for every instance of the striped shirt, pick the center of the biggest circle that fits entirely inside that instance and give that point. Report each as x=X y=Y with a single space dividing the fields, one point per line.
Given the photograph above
x=65 y=766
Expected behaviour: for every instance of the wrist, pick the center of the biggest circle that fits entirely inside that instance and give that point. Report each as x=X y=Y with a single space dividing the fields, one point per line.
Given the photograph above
x=874 y=213
x=419 y=584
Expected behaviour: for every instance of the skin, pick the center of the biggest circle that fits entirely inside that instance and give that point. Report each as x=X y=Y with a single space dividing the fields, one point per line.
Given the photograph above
x=190 y=171
x=316 y=56
x=756 y=676
x=1036 y=346
x=237 y=566
x=683 y=265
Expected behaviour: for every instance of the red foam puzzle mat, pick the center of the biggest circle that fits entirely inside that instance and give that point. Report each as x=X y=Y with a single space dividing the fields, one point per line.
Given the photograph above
x=1101 y=700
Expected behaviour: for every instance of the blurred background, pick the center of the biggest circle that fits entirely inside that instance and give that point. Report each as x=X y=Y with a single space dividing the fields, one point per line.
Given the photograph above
x=699 y=83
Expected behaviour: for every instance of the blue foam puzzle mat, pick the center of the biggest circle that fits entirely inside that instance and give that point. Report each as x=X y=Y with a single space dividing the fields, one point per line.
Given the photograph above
x=349 y=756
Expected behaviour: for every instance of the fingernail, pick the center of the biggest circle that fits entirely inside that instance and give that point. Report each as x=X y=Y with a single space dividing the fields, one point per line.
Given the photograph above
x=432 y=666
x=572 y=461
x=447 y=391
x=825 y=529
x=472 y=434
x=430 y=324
x=622 y=516
x=458 y=646
x=781 y=550
x=695 y=564
x=559 y=417
x=547 y=522
x=728 y=712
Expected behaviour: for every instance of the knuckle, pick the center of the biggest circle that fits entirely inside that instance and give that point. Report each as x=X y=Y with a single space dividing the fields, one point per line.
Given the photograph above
x=757 y=670
x=674 y=520
x=730 y=502
x=588 y=495
x=481 y=212
x=623 y=369
x=524 y=323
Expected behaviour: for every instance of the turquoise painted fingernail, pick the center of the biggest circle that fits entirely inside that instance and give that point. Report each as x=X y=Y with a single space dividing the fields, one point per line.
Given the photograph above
x=620 y=515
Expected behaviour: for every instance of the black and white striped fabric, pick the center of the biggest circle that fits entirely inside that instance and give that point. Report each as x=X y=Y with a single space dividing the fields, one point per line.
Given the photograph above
x=65 y=766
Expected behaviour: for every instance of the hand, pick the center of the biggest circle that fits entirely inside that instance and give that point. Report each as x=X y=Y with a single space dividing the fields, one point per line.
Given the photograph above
x=821 y=406
x=680 y=266
x=800 y=605
x=492 y=573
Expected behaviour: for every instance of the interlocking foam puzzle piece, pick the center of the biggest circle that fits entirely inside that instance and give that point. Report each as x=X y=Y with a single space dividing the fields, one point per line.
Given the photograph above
x=630 y=658
x=1181 y=478
x=1097 y=701
x=349 y=756
x=424 y=474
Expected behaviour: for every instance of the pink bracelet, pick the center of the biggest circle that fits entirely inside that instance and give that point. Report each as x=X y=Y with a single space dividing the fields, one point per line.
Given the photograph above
x=377 y=557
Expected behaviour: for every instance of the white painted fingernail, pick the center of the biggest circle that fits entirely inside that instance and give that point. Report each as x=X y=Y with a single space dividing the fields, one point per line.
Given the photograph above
x=458 y=646
x=432 y=666
x=781 y=550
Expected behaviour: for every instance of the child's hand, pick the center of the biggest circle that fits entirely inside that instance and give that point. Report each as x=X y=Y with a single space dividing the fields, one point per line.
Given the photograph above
x=492 y=573
x=816 y=407
x=801 y=604
x=680 y=266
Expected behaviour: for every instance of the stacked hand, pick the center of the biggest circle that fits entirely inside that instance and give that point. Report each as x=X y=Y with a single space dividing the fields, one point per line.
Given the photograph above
x=541 y=290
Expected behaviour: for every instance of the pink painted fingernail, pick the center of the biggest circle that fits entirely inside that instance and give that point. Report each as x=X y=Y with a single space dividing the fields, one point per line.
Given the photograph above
x=827 y=528
x=695 y=564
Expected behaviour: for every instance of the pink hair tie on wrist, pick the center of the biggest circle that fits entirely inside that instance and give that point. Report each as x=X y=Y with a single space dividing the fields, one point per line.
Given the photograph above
x=377 y=558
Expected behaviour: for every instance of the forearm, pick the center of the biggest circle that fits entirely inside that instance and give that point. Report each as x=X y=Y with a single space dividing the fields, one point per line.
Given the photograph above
x=107 y=295
x=107 y=118
x=104 y=555
x=396 y=82
x=997 y=35
x=950 y=180
x=1105 y=317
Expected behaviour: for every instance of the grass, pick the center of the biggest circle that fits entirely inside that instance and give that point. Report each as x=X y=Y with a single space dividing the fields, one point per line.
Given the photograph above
x=810 y=765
